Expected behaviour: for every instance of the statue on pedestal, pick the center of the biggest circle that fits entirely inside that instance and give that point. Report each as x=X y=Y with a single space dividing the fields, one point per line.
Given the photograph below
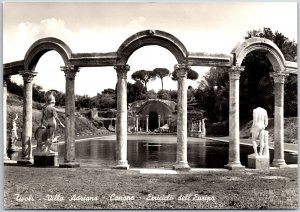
x=260 y=122
x=45 y=133
x=14 y=135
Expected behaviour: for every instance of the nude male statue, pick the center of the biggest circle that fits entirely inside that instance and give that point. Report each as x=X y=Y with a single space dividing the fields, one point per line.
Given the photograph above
x=260 y=122
x=45 y=133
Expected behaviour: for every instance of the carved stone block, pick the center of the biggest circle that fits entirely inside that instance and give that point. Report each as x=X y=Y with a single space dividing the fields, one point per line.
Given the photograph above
x=258 y=162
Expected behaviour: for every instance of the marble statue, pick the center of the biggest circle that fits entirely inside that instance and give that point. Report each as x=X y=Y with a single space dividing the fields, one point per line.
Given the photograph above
x=260 y=122
x=45 y=133
x=14 y=135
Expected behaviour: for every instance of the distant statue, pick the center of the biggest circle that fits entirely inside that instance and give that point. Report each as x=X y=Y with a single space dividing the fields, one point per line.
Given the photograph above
x=260 y=122
x=14 y=135
x=45 y=133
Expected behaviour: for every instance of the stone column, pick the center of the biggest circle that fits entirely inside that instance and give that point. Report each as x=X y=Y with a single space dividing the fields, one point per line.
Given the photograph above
x=234 y=119
x=147 y=123
x=69 y=157
x=27 y=118
x=192 y=126
x=199 y=126
x=278 y=160
x=5 y=80
x=158 y=120
x=137 y=123
x=181 y=157
x=121 y=125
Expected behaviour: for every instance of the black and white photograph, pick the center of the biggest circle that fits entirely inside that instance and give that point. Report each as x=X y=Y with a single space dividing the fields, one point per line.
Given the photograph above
x=150 y=105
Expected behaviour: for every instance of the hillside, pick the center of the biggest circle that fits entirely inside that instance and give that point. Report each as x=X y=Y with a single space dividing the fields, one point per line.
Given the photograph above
x=83 y=126
x=290 y=130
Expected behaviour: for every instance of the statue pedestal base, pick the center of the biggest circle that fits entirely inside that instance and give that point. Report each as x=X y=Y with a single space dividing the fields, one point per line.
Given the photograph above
x=45 y=159
x=258 y=162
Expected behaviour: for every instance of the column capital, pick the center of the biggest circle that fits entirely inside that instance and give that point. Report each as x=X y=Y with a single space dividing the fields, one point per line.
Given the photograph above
x=70 y=71
x=137 y=116
x=147 y=116
x=122 y=71
x=28 y=75
x=235 y=72
x=182 y=70
x=278 y=77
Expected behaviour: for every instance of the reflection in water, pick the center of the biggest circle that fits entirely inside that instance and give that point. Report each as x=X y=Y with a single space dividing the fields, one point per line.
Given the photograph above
x=146 y=154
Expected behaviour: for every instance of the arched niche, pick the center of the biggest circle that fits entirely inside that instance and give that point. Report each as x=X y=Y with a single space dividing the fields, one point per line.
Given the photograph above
x=272 y=51
x=151 y=37
x=41 y=46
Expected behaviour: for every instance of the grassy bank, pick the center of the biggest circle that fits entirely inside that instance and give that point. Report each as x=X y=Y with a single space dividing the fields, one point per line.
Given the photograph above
x=83 y=126
x=250 y=189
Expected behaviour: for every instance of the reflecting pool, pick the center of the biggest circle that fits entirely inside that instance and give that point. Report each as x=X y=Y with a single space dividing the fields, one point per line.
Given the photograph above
x=156 y=151
x=160 y=151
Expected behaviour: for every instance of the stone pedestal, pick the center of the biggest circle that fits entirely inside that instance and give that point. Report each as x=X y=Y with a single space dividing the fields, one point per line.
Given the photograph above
x=45 y=159
x=258 y=162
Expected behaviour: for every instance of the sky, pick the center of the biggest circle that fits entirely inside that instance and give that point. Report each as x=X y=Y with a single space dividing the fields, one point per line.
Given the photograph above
x=214 y=27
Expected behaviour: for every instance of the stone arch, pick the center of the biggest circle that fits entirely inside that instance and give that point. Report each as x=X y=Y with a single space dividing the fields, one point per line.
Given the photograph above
x=273 y=53
x=151 y=37
x=162 y=105
x=41 y=46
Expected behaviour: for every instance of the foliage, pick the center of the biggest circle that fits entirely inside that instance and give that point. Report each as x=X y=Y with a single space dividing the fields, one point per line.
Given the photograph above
x=256 y=85
x=14 y=88
x=173 y=95
x=161 y=94
x=143 y=76
x=256 y=81
x=150 y=95
x=212 y=94
x=161 y=73
x=135 y=91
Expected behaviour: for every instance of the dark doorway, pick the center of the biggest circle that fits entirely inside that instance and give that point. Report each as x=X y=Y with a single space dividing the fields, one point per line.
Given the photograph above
x=153 y=121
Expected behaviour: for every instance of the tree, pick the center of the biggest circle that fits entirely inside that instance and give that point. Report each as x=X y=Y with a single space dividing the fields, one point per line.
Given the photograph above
x=161 y=94
x=135 y=91
x=108 y=91
x=191 y=74
x=143 y=76
x=150 y=95
x=161 y=73
x=256 y=86
x=256 y=83
x=212 y=94
x=14 y=88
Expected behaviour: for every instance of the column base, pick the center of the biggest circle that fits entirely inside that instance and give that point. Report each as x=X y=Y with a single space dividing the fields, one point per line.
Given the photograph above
x=181 y=166
x=234 y=166
x=279 y=163
x=25 y=162
x=69 y=165
x=121 y=165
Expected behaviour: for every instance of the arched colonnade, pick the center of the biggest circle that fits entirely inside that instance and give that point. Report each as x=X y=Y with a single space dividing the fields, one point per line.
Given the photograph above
x=74 y=61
